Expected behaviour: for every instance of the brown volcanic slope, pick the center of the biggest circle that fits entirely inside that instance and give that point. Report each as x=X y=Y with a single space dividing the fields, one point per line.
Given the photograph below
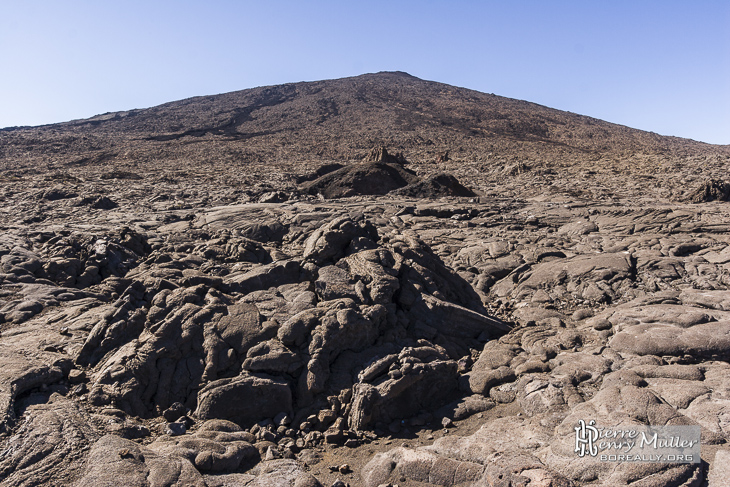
x=240 y=137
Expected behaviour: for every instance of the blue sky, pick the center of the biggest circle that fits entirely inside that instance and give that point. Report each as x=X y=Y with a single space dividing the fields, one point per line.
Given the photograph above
x=662 y=66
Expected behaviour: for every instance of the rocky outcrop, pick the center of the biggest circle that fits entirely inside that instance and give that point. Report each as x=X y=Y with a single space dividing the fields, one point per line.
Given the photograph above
x=712 y=190
x=435 y=186
x=222 y=399
x=368 y=178
x=380 y=154
x=116 y=461
x=382 y=174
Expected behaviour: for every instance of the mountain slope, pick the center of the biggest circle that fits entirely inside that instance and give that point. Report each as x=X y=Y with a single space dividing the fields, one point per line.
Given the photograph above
x=293 y=127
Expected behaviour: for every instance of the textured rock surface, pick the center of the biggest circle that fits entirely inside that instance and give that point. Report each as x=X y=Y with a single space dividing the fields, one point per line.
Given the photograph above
x=116 y=461
x=175 y=323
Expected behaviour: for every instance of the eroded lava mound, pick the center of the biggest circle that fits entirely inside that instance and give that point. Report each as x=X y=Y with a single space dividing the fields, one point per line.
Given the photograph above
x=380 y=178
x=368 y=178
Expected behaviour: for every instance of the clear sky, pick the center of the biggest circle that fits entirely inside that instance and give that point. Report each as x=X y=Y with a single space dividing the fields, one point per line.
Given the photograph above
x=662 y=66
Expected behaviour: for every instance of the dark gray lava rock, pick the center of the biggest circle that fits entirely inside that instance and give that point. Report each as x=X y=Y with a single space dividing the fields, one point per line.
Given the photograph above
x=368 y=178
x=435 y=186
x=265 y=397
x=712 y=190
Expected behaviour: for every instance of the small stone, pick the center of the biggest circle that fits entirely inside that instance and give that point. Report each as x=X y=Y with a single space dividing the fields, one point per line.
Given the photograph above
x=289 y=454
x=286 y=443
x=464 y=364
x=582 y=314
x=76 y=376
x=340 y=424
x=175 y=429
x=446 y=422
x=272 y=454
x=352 y=443
x=312 y=438
x=344 y=469
x=79 y=390
x=602 y=324
x=266 y=435
x=282 y=419
x=325 y=418
x=333 y=436
x=132 y=432
x=334 y=402
x=370 y=435
x=174 y=412
x=186 y=420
